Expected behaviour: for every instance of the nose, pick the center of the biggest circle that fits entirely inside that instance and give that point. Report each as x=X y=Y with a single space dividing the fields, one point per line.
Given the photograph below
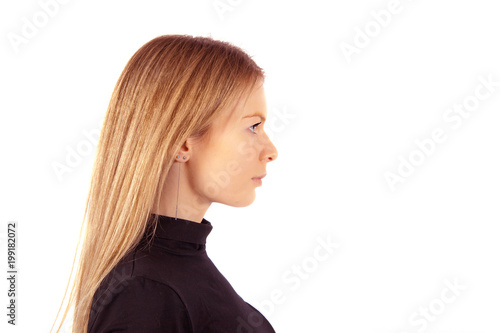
x=270 y=153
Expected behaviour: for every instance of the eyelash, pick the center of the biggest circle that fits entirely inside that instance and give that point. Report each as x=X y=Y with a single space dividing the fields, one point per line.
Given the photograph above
x=255 y=125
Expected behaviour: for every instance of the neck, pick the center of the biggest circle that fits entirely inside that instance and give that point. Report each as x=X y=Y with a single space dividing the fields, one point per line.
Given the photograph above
x=179 y=199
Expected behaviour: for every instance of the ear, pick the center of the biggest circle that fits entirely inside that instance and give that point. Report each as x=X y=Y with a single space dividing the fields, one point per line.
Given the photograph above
x=187 y=148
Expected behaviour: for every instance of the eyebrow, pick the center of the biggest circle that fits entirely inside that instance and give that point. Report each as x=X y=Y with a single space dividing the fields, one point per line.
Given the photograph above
x=256 y=114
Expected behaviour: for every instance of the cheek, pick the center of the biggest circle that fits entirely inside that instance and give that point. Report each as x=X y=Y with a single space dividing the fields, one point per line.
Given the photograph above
x=226 y=167
x=232 y=169
x=216 y=169
x=235 y=155
x=246 y=151
x=232 y=164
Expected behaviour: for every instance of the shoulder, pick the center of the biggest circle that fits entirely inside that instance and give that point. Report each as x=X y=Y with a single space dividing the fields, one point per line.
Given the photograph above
x=128 y=303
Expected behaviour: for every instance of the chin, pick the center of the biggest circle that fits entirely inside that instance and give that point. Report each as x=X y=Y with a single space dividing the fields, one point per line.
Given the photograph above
x=241 y=201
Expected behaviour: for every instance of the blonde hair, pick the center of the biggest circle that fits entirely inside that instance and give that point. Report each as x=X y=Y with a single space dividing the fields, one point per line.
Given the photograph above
x=172 y=88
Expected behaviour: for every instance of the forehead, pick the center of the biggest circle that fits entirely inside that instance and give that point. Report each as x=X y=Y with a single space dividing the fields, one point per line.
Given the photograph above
x=250 y=103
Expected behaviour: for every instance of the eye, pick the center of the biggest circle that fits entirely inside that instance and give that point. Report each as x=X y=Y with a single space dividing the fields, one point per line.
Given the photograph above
x=254 y=126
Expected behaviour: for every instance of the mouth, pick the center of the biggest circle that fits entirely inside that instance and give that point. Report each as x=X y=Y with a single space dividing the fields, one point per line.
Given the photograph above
x=258 y=179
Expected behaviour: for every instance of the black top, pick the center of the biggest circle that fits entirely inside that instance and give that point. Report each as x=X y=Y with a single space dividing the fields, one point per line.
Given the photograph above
x=173 y=286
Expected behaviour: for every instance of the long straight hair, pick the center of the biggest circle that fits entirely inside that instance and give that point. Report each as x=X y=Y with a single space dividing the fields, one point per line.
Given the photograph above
x=172 y=88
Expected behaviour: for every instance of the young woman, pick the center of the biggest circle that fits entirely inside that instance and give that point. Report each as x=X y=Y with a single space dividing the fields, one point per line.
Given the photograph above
x=184 y=129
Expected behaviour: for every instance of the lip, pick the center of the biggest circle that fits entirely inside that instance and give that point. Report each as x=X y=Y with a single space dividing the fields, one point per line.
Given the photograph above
x=258 y=179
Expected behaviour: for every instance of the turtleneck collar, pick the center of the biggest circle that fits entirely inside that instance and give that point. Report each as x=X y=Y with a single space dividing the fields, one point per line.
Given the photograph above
x=182 y=230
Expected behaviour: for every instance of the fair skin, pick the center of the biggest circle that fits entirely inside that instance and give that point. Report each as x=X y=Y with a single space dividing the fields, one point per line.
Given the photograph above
x=221 y=167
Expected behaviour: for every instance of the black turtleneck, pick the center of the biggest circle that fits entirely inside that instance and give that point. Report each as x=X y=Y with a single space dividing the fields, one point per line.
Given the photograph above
x=172 y=286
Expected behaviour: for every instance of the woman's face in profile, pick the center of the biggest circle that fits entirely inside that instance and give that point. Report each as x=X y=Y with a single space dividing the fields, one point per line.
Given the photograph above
x=237 y=150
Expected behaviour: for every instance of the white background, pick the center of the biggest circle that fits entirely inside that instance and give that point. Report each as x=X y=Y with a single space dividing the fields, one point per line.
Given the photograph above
x=347 y=124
